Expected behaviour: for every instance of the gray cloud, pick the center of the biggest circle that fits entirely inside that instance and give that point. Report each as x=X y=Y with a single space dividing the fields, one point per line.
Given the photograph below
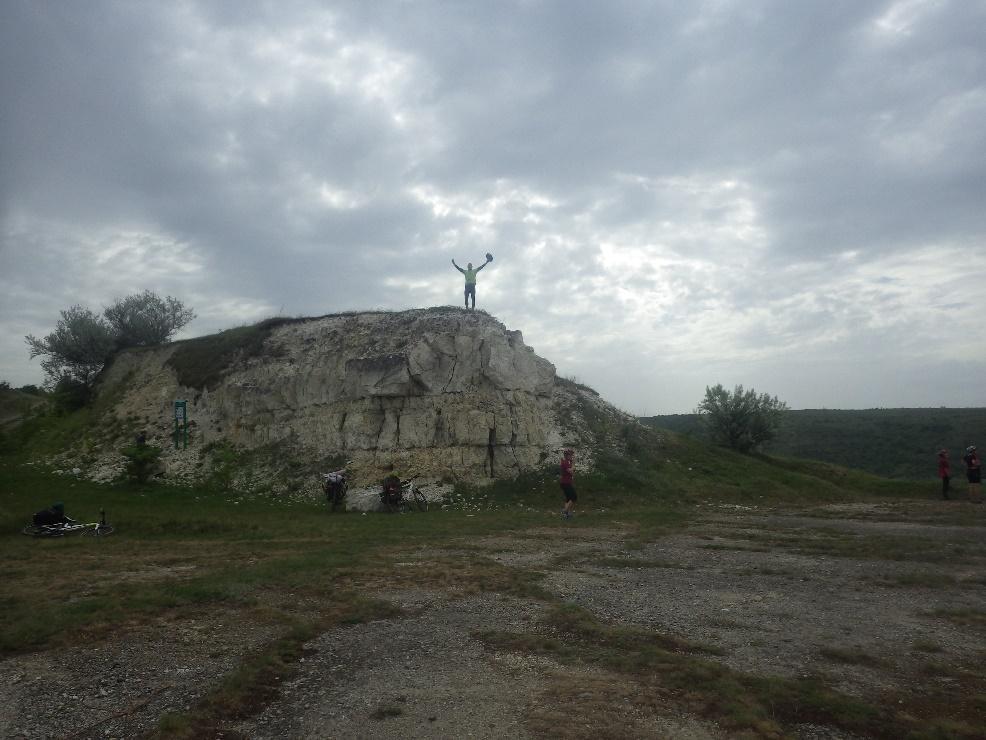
x=676 y=194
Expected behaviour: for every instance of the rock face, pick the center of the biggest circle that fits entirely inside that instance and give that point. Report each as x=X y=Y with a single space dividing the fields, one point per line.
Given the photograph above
x=443 y=393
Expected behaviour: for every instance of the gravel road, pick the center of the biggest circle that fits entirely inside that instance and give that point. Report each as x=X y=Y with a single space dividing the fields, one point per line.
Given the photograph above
x=784 y=594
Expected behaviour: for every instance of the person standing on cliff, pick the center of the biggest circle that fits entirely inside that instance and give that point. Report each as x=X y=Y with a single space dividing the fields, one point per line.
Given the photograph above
x=567 y=481
x=470 y=274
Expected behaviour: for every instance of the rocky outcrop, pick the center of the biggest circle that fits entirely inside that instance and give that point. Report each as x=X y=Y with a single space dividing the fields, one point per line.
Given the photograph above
x=444 y=393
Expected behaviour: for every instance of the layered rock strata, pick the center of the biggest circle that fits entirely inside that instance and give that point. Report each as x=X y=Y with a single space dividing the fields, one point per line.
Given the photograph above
x=443 y=393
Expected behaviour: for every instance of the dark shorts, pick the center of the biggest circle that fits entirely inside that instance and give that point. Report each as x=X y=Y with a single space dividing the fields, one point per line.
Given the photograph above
x=974 y=476
x=569 y=490
x=471 y=289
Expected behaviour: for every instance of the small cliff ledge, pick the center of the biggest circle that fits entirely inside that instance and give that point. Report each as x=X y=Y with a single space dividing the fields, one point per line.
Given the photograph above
x=441 y=392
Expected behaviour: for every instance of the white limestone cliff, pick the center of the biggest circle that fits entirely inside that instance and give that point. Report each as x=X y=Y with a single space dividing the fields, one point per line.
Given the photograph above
x=442 y=393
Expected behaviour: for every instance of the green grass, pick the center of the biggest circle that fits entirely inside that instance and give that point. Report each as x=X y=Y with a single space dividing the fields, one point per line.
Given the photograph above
x=178 y=552
x=202 y=362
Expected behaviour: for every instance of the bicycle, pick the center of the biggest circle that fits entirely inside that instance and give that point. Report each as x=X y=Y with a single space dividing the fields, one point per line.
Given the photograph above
x=402 y=496
x=69 y=528
x=335 y=485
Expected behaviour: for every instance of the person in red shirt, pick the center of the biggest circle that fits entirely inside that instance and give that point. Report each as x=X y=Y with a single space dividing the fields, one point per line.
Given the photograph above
x=567 y=482
x=944 y=472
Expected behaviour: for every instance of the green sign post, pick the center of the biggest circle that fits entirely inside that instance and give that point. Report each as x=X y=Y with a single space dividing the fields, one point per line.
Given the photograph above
x=181 y=424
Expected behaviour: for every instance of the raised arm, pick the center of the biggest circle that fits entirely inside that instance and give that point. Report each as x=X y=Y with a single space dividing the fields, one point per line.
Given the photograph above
x=482 y=266
x=458 y=268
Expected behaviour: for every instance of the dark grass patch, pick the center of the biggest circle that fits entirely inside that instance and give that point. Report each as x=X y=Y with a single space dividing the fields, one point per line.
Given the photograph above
x=764 y=570
x=256 y=682
x=917 y=579
x=202 y=362
x=862 y=546
x=388 y=710
x=852 y=656
x=967 y=617
x=636 y=563
x=743 y=704
x=735 y=546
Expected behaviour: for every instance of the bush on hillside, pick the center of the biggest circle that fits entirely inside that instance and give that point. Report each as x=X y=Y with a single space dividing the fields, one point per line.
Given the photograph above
x=69 y=395
x=741 y=420
x=142 y=461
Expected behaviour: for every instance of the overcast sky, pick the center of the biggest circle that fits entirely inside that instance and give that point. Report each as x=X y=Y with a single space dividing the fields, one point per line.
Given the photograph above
x=788 y=195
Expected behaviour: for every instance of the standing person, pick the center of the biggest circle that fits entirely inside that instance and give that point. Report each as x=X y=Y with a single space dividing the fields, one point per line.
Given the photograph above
x=470 y=274
x=944 y=472
x=567 y=481
x=973 y=473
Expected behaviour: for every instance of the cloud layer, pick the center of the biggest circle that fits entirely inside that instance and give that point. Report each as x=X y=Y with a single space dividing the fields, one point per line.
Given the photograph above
x=787 y=196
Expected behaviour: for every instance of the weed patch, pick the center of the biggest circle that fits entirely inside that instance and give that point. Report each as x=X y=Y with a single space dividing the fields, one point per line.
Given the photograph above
x=743 y=704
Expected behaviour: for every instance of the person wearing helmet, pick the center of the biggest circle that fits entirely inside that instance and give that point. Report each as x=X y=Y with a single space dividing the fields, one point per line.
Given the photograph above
x=973 y=473
x=944 y=472
x=470 y=274
x=567 y=481
x=53 y=515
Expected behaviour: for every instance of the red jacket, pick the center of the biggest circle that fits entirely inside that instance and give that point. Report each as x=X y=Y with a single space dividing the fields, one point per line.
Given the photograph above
x=566 y=471
x=943 y=469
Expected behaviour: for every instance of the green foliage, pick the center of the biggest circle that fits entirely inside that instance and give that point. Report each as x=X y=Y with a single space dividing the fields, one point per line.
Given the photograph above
x=225 y=463
x=741 y=420
x=144 y=319
x=78 y=347
x=202 y=362
x=69 y=395
x=141 y=461
x=83 y=341
x=896 y=443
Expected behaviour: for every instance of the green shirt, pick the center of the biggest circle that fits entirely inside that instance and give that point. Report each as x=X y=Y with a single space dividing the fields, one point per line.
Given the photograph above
x=470 y=276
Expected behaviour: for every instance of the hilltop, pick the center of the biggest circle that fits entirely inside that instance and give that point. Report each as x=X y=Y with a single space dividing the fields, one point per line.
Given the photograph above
x=446 y=394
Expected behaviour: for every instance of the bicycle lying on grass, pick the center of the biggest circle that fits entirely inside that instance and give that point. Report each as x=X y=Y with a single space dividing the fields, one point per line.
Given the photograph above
x=402 y=495
x=65 y=529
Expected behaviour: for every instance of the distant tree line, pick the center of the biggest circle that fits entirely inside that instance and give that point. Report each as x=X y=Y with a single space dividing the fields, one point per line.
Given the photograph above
x=83 y=341
x=894 y=443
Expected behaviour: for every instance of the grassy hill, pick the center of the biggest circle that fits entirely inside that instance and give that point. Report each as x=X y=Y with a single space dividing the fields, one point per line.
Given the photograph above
x=894 y=443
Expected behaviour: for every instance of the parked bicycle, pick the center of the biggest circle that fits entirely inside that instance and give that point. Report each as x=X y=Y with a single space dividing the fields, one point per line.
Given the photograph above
x=70 y=527
x=402 y=495
x=335 y=485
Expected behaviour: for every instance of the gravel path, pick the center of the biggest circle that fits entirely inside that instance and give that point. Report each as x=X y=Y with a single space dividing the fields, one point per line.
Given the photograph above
x=785 y=595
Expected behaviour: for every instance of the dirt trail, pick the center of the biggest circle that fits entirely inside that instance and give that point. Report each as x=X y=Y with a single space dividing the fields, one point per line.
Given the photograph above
x=882 y=604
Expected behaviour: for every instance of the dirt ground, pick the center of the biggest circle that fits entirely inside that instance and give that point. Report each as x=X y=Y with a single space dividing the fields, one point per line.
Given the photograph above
x=885 y=603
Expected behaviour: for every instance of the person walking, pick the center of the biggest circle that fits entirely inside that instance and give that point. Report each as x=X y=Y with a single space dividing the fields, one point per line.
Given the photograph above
x=470 y=274
x=944 y=472
x=567 y=481
x=973 y=473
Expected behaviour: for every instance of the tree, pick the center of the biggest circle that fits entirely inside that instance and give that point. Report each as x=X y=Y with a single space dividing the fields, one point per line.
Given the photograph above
x=142 y=461
x=742 y=419
x=144 y=319
x=83 y=341
x=77 y=349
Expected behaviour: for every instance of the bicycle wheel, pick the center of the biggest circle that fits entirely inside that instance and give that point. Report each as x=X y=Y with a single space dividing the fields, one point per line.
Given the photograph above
x=100 y=530
x=32 y=530
x=420 y=502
